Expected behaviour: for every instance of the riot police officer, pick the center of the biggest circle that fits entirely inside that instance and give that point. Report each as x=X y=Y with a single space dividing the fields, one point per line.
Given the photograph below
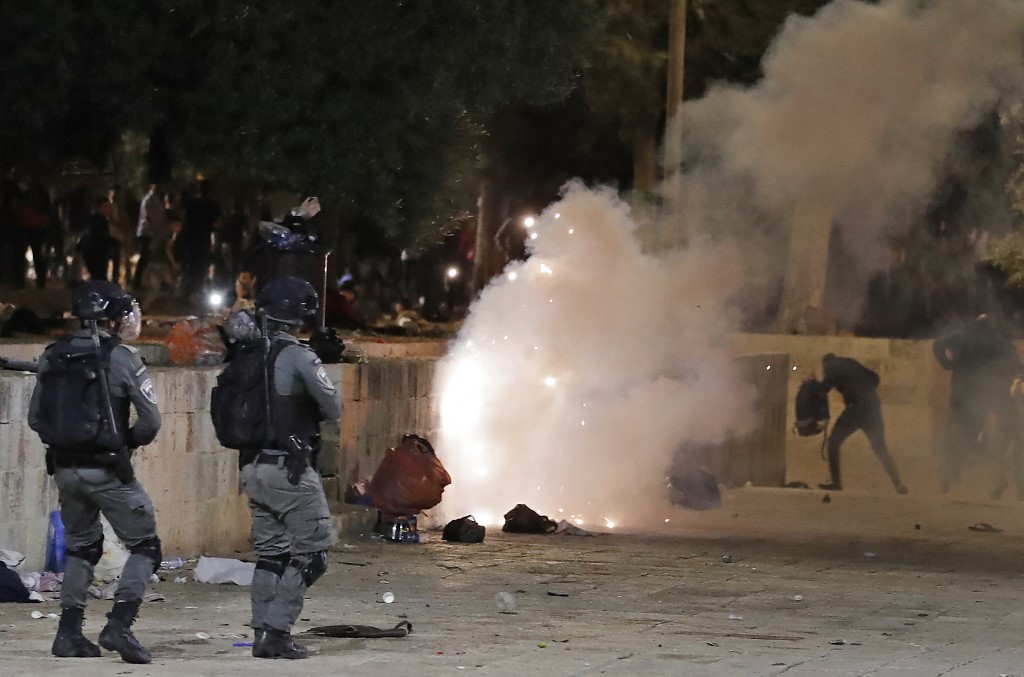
x=291 y=525
x=86 y=385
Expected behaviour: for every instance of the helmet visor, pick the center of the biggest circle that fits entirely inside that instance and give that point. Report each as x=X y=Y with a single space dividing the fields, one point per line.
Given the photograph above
x=130 y=327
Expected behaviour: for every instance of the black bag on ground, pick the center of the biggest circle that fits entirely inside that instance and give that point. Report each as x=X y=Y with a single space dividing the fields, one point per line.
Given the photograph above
x=11 y=587
x=72 y=411
x=524 y=520
x=238 y=403
x=464 y=530
x=812 y=413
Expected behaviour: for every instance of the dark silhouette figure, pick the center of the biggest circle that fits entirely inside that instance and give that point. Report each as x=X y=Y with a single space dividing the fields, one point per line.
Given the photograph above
x=859 y=387
x=983 y=364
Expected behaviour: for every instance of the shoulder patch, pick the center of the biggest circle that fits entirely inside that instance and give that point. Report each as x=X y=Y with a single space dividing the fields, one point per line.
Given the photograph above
x=148 y=391
x=142 y=368
x=323 y=378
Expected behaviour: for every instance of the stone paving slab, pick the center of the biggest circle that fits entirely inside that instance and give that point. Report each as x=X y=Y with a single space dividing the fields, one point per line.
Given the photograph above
x=799 y=598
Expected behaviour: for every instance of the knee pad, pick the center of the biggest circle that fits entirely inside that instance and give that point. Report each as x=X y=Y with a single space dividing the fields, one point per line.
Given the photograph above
x=311 y=566
x=275 y=564
x=149 y=548
x=90 y=553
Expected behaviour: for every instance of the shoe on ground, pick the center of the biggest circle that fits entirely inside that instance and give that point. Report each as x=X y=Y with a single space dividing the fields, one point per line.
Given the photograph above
x=118 y=637
x=70 y=642
x=271 y=643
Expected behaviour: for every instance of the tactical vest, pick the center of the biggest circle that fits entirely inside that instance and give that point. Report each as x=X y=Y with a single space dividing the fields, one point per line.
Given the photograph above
x=297 y=414
x=72 y=410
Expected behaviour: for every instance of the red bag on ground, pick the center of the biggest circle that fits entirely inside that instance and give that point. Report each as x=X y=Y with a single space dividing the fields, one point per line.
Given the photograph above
x=409 y=479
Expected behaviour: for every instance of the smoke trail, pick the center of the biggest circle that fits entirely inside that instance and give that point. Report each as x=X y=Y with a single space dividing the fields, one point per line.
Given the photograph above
x=579 y=373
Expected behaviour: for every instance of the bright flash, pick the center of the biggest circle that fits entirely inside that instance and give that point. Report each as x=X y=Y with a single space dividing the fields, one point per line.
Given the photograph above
x=558 y=216
x=572 y=230
x=578 y=521
x=666 y=520
x=453 y=273
x=529 y=221
x=550 y=381
x=481 y=471
x=608 y=523
x=216 y=299
x=512 y=276
x=544 y=268
x=533 y=236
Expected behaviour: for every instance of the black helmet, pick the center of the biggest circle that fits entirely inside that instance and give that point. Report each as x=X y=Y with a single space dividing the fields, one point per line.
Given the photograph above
x=99 y=300
x=288 y=300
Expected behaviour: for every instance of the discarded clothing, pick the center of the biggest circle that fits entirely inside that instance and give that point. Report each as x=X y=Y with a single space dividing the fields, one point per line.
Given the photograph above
x=11 y=587
x=403 y=629
x=524 y=520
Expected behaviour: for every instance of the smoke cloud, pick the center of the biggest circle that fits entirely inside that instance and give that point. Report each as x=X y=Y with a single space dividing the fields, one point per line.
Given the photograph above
x=857 y=116
x=581 y=371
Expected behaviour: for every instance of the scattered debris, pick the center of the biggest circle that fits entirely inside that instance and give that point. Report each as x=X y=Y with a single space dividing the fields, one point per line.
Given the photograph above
x=798 y=598
x=735 y=617
x=386 y=597
x=224 y=570
x=203 y=636
x=838 y=642
x=506 y=602
x=870 y=555
x=565 y=527
x=181 y=579
x=711 y=643
x=826 y=499
x=918 y=526
x=403 y=629
x=728 y=559
x=985 y=527
x=464 y=530
x=796 y=485
x=557 y=594
x=524 y=520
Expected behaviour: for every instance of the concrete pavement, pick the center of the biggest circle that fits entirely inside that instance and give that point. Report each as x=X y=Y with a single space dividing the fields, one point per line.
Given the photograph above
x=862 y=585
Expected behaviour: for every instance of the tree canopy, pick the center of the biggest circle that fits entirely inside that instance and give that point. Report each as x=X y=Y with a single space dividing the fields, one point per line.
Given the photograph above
x=375 y=106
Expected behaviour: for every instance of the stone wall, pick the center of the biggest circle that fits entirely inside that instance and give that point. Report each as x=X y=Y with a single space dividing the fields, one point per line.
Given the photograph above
x=914 y=391
x=192 y=480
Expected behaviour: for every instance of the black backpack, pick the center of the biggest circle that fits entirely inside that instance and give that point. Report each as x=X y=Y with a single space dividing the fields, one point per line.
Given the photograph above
x=238 y=403
x=464 y=530
x=812 y=413
x=72 y=411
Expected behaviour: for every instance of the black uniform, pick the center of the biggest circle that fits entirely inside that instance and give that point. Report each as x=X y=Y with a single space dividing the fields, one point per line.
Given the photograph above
x=859 y=387
x=983 y=365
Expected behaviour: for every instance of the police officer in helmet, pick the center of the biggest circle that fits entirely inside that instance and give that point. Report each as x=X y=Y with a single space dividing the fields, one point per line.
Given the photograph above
x=291 y=529
x=85 y=388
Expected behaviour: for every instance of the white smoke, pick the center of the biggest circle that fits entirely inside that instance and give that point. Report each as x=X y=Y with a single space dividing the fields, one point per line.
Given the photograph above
x=572 y=385
x=581 y=371
x=857 y=115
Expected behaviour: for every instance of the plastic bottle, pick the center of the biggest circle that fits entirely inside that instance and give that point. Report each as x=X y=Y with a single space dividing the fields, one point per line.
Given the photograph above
x=56 y=548
x=173 y=563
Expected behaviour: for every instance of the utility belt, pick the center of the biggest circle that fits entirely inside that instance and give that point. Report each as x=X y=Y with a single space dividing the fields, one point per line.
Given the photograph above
x=63 y=458
x=118 y=462
x=295 y=460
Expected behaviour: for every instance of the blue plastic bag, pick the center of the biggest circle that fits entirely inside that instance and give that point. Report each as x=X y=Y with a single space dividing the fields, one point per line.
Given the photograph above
x=56 y=547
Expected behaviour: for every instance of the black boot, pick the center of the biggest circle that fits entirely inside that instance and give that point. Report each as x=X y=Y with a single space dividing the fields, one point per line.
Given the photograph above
x=117 y=634
x=271 y=643
x=70 y=642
